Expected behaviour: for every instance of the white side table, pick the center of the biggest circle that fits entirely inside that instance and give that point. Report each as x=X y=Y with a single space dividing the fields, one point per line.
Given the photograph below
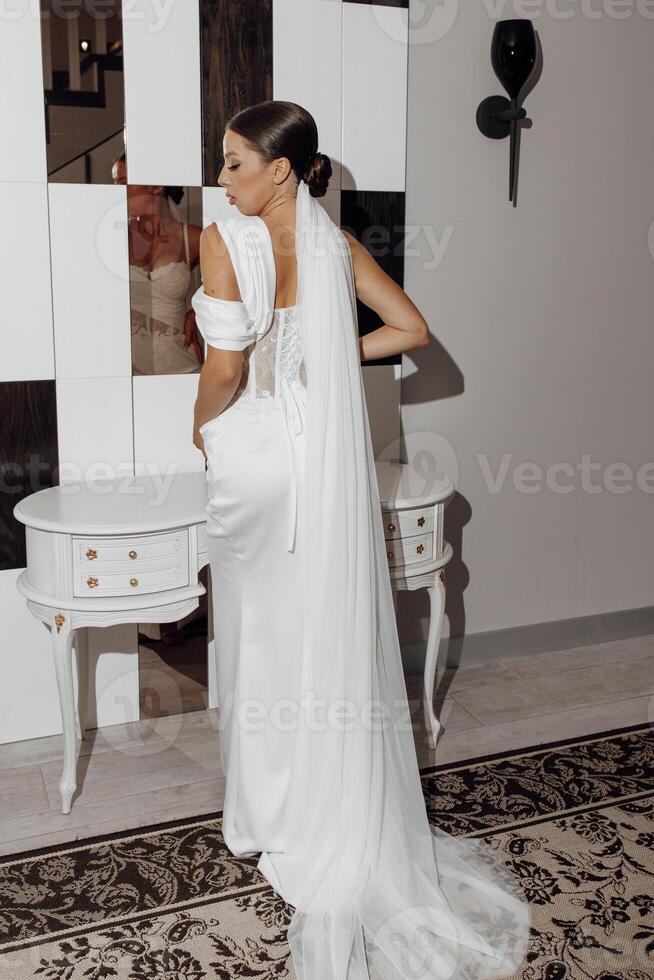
x=125 y=550
x=413 y=514
x=129 y=550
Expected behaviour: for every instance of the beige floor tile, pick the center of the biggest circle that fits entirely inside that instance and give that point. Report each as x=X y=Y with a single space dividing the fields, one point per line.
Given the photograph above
x=190 y=808
x=22 y=791
x=617 y=651
x=476 y=676
x=113 y=775
x=548 y=693
x=448 y=711
x=540 y=730
x=168 y=768
x=138 y=810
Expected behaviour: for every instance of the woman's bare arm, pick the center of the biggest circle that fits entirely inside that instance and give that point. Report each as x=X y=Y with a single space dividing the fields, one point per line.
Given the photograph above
x=404 y=328
x=221 y=371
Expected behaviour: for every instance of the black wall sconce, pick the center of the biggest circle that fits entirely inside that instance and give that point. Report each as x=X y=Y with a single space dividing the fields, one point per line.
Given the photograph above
x=513 y=57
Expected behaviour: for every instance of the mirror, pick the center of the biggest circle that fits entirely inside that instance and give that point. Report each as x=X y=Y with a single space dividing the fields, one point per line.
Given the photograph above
x=164 y=227
x=83 y=89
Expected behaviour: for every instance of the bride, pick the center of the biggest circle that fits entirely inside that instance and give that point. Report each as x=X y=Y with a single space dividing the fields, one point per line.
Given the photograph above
x=316 y=741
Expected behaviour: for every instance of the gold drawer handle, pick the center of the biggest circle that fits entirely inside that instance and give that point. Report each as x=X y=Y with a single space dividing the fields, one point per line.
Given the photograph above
x=420 y=549
x=391 y=554
x=391 y=527
x=133 y=554
x=133 y=581
x=92 y=582
x=91 y=553
x=421 y=521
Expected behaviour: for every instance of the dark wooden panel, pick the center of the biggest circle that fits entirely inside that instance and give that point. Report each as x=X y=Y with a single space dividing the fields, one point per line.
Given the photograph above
x=376 y=219
x=236 y=69
x=29 y=456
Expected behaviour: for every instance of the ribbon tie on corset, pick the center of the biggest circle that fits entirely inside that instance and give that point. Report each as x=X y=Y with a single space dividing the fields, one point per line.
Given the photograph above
x=293 y=426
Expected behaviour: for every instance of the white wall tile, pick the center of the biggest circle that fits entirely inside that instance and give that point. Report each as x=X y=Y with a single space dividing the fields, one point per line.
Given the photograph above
x=94 y=426
x=90 y=280
x=163 y=93
x=215 y=206
x=29 y=700
x=346 y=63
x=29 y=707
x=307 y=67
x=112 y=676
x=27 y=335
x=163 y=424
x=374 y=97
x=22 y=119
x=382 y=384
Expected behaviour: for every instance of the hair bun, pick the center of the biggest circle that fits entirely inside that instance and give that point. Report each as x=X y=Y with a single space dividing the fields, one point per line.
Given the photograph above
x=317 y=174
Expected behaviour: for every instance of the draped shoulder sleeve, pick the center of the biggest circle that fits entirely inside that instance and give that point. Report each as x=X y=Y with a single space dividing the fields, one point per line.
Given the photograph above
x=224 y=323
x=235 y=324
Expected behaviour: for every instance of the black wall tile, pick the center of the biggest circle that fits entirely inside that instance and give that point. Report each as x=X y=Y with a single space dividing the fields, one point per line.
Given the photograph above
x=376 y=219
x=236 y=69
x=382 y=3
x=29 y=456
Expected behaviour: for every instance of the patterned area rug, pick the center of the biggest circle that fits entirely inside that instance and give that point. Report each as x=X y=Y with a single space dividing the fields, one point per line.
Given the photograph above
x=574 y=821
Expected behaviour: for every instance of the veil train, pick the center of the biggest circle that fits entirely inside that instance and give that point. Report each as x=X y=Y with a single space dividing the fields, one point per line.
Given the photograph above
x=378 y=892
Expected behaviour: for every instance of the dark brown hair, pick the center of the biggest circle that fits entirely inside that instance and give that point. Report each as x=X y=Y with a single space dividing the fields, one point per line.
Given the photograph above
x=284 y=129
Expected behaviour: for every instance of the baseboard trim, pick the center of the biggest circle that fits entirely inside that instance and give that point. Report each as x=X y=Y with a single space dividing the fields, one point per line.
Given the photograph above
x=519 y=641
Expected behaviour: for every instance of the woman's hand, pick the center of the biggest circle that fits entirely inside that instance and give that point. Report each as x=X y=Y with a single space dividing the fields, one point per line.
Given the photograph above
x=192 y=335
x=198 y=441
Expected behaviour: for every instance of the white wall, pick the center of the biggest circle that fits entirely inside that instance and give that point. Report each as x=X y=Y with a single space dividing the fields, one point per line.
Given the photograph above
x=541 y=314
x=65 y=254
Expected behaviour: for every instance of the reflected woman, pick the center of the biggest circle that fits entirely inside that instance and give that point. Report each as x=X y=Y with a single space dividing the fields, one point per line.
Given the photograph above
x=163 y=252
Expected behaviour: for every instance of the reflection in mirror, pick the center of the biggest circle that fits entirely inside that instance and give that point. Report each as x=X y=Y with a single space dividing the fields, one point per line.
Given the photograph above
x=82 y=54
x=164 y=227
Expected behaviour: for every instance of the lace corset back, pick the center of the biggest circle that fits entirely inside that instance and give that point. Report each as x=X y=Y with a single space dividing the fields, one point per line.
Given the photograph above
x=275 y=357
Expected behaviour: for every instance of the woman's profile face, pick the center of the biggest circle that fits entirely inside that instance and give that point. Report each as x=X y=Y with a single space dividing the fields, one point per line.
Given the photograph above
x=246 y=179
x=119 y=172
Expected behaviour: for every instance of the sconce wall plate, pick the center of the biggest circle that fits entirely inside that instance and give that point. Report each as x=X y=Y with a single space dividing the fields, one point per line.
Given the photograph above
x=487 y=120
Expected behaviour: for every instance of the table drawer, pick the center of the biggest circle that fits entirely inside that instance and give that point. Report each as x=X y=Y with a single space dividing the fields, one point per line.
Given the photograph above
x=398 y=523
x=129 y=565
x=119 y=583
x=131 y=549
x=410 y=550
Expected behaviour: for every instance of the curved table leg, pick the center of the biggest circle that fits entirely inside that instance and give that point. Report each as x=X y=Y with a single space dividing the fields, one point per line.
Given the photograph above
x=70 y=629
x=437 y=607
x=81 y=644
x=62 y=648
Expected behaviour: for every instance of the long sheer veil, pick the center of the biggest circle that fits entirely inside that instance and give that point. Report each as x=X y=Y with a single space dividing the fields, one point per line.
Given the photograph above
x=377 y=891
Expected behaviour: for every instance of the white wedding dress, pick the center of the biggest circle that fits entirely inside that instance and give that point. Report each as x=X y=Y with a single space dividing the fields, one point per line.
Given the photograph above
x=303 y=614
x=255 y=461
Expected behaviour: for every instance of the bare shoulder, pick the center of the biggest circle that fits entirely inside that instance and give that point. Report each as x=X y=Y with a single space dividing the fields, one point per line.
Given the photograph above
x=365 y=265
x=216 y=267
x=361 y=257
x=353 y=242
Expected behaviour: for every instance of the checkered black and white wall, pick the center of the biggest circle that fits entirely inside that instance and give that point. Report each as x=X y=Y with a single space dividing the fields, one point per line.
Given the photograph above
x=70 y=405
